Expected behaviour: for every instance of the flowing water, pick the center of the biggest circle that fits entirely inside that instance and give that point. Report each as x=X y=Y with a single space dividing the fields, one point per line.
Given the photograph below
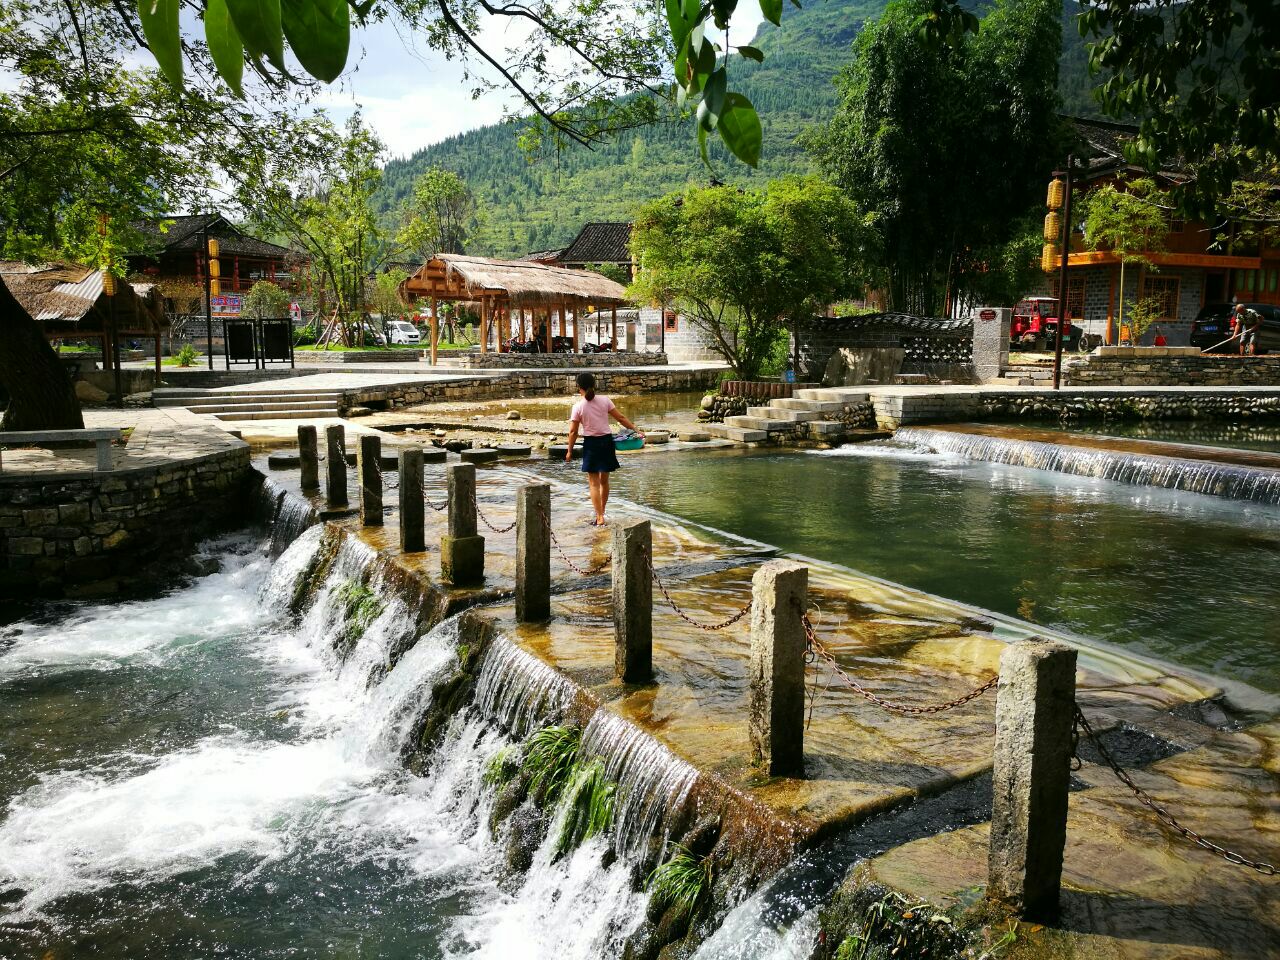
x=197 y=774
x=1190 y=579
x=1212 y=433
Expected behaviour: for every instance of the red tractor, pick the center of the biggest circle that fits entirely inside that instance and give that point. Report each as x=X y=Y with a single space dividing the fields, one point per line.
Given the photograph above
x=1035 y=325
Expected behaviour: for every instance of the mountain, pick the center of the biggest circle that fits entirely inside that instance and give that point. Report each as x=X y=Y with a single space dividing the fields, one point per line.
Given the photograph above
x=541 y=205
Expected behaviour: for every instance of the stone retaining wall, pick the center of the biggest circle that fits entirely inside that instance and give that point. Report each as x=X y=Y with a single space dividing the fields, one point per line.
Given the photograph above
x=1168 y=406
x=84 y=533
x=500 y=361
x=376 y=355
x=526 y=385
x=1170 y=366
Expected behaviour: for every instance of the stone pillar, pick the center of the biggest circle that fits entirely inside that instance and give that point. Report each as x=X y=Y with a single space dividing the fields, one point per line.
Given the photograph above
x=990 y=341
x=370 y=480
x=336 y=465
x=413 y=533
x=778 y=593
x=533 y=553
x=1032 y=768
x=462 y=551
x=632 y=602
x=309 y=458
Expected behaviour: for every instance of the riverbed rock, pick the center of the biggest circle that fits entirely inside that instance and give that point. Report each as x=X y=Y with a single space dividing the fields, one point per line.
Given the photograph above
x=457 y=446
x=526 y=827
x=513 y=415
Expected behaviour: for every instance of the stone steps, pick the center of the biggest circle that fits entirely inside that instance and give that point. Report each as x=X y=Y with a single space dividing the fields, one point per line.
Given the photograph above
x=815 y=406
x=311 y=414
x=760 y=423
x=783 y=413
x=232 y=405
x=740 y=434
x=833 y=395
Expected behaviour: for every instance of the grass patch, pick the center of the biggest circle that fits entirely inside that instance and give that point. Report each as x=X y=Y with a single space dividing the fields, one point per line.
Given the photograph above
x=502 y=767
x=587 y=809
x=360 y=607
x=683 y=882
x=549 y=759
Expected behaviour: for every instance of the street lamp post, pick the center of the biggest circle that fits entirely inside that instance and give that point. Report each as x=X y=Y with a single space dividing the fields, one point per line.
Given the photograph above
x=1062 y=278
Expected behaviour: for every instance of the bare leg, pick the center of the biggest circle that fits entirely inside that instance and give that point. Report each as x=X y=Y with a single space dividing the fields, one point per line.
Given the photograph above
x=596 y=500
x=604 y=495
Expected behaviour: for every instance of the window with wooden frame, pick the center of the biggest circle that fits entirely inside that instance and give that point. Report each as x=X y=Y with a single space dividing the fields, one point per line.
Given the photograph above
x=669 y=321
x=1075 y=298
x=1166 y=290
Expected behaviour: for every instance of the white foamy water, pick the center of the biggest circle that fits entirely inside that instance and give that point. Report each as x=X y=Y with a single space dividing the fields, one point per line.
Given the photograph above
x=106 y=636
x=890 y=451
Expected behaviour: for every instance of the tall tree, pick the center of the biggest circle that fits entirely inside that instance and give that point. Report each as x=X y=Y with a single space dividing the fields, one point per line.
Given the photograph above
x=439 y=215
x=944 y=148
x=1129 y=221
x=738 y=264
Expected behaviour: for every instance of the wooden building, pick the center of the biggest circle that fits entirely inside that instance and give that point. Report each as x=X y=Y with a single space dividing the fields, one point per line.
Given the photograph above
x=599 y=243
x=511 y=296
x=1200 y=263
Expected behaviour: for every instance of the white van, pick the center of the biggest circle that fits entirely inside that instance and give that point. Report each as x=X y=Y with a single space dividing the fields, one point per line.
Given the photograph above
x=402 y=331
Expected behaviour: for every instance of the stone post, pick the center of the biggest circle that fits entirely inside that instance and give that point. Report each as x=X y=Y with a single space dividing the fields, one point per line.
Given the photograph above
x=1032 y=768
x=309 y=458
x=336 y=465
x=990 y=341
x=533 y=553
x=462 y=551
x=632 y=602
x=413 y=533
x=778 y=593
x=370 y=480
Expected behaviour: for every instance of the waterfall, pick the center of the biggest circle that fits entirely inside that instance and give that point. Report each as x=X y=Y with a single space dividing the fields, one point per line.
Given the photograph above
x=653 y=783
x=1233 y=481
x=287 y=514
x=519 y=691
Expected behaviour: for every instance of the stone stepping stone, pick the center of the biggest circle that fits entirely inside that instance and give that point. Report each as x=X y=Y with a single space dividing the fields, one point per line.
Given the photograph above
x=284 y=460
x=693 y=436
x=557 y=450
x=514 y=450
x=479 y=455
x=434 y=455
x=657 y=436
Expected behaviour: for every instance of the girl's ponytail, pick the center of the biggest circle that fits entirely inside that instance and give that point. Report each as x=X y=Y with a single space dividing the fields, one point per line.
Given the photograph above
x=587 y=384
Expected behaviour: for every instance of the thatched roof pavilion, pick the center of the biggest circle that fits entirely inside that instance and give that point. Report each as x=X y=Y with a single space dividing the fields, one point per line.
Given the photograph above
x=68 y=301
x=509 y=288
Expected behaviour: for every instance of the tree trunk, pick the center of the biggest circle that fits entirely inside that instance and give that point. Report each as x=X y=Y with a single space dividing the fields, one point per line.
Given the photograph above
x=41 y=396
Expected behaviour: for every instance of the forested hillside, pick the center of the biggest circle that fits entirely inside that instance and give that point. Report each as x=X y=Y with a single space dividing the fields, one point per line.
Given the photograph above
x=540 y=205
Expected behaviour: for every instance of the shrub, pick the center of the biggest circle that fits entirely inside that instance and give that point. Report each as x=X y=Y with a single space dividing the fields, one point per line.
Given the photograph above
x=305 y=336
x=265 y=301
x=683 y=882
x=187 y=356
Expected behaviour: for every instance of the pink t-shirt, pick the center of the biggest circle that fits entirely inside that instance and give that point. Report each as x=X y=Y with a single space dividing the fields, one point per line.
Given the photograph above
x=593 y=415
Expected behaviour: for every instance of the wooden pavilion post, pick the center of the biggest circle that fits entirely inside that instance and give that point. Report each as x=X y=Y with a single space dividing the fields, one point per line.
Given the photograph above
x=484 y=325
x=613 y=336
x=435 y=330
x=504 y=322
x=564 y=330
x=576 y=344
x=549 y=329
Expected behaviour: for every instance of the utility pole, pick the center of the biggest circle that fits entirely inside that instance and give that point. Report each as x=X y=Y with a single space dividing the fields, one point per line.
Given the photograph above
x=1062 y=277
x=208 y=305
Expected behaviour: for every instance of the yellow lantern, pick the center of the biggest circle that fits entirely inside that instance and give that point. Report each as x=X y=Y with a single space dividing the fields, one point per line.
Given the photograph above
x=1057 y=194
x=213 y=246
x=108 y=283
x=1050 y=257
x=215 y=269
x=215 y=288
x=1052 y=227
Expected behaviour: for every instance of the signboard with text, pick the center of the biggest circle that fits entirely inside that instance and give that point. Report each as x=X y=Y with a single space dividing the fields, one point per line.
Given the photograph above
x=225 y=305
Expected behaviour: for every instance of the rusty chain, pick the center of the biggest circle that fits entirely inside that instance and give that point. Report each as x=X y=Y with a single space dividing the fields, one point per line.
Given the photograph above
x=475 y=502
x=815 y=649
x=582 y=571
x=708 y=627
x=438 y=508
x=1163 y=815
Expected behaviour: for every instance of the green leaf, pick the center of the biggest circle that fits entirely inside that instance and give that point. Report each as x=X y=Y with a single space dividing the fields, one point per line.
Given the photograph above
x=706 y=119
x=319 y=31
x=160 y=27
x=772 y=10
x=224 y=44
x=752 y=53
x=740 y=129
x=258 y=23
x=713 y=94
x=676 y=21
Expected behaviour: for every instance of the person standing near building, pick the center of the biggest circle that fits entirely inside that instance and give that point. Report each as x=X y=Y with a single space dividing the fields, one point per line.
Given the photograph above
x=1247 y=322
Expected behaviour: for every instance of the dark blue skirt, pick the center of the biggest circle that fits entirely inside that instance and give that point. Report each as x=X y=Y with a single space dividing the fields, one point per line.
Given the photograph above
x=599 y=455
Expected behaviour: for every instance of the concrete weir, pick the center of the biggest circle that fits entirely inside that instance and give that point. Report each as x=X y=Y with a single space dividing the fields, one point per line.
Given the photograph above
x=1216 y=471
x=679 y=747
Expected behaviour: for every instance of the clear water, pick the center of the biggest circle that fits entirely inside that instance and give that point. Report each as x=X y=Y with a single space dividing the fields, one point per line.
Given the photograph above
x=194 y=775
x=1190 y=579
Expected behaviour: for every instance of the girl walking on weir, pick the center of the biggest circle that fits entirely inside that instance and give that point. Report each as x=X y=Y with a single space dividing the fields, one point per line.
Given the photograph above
x=599 y=457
